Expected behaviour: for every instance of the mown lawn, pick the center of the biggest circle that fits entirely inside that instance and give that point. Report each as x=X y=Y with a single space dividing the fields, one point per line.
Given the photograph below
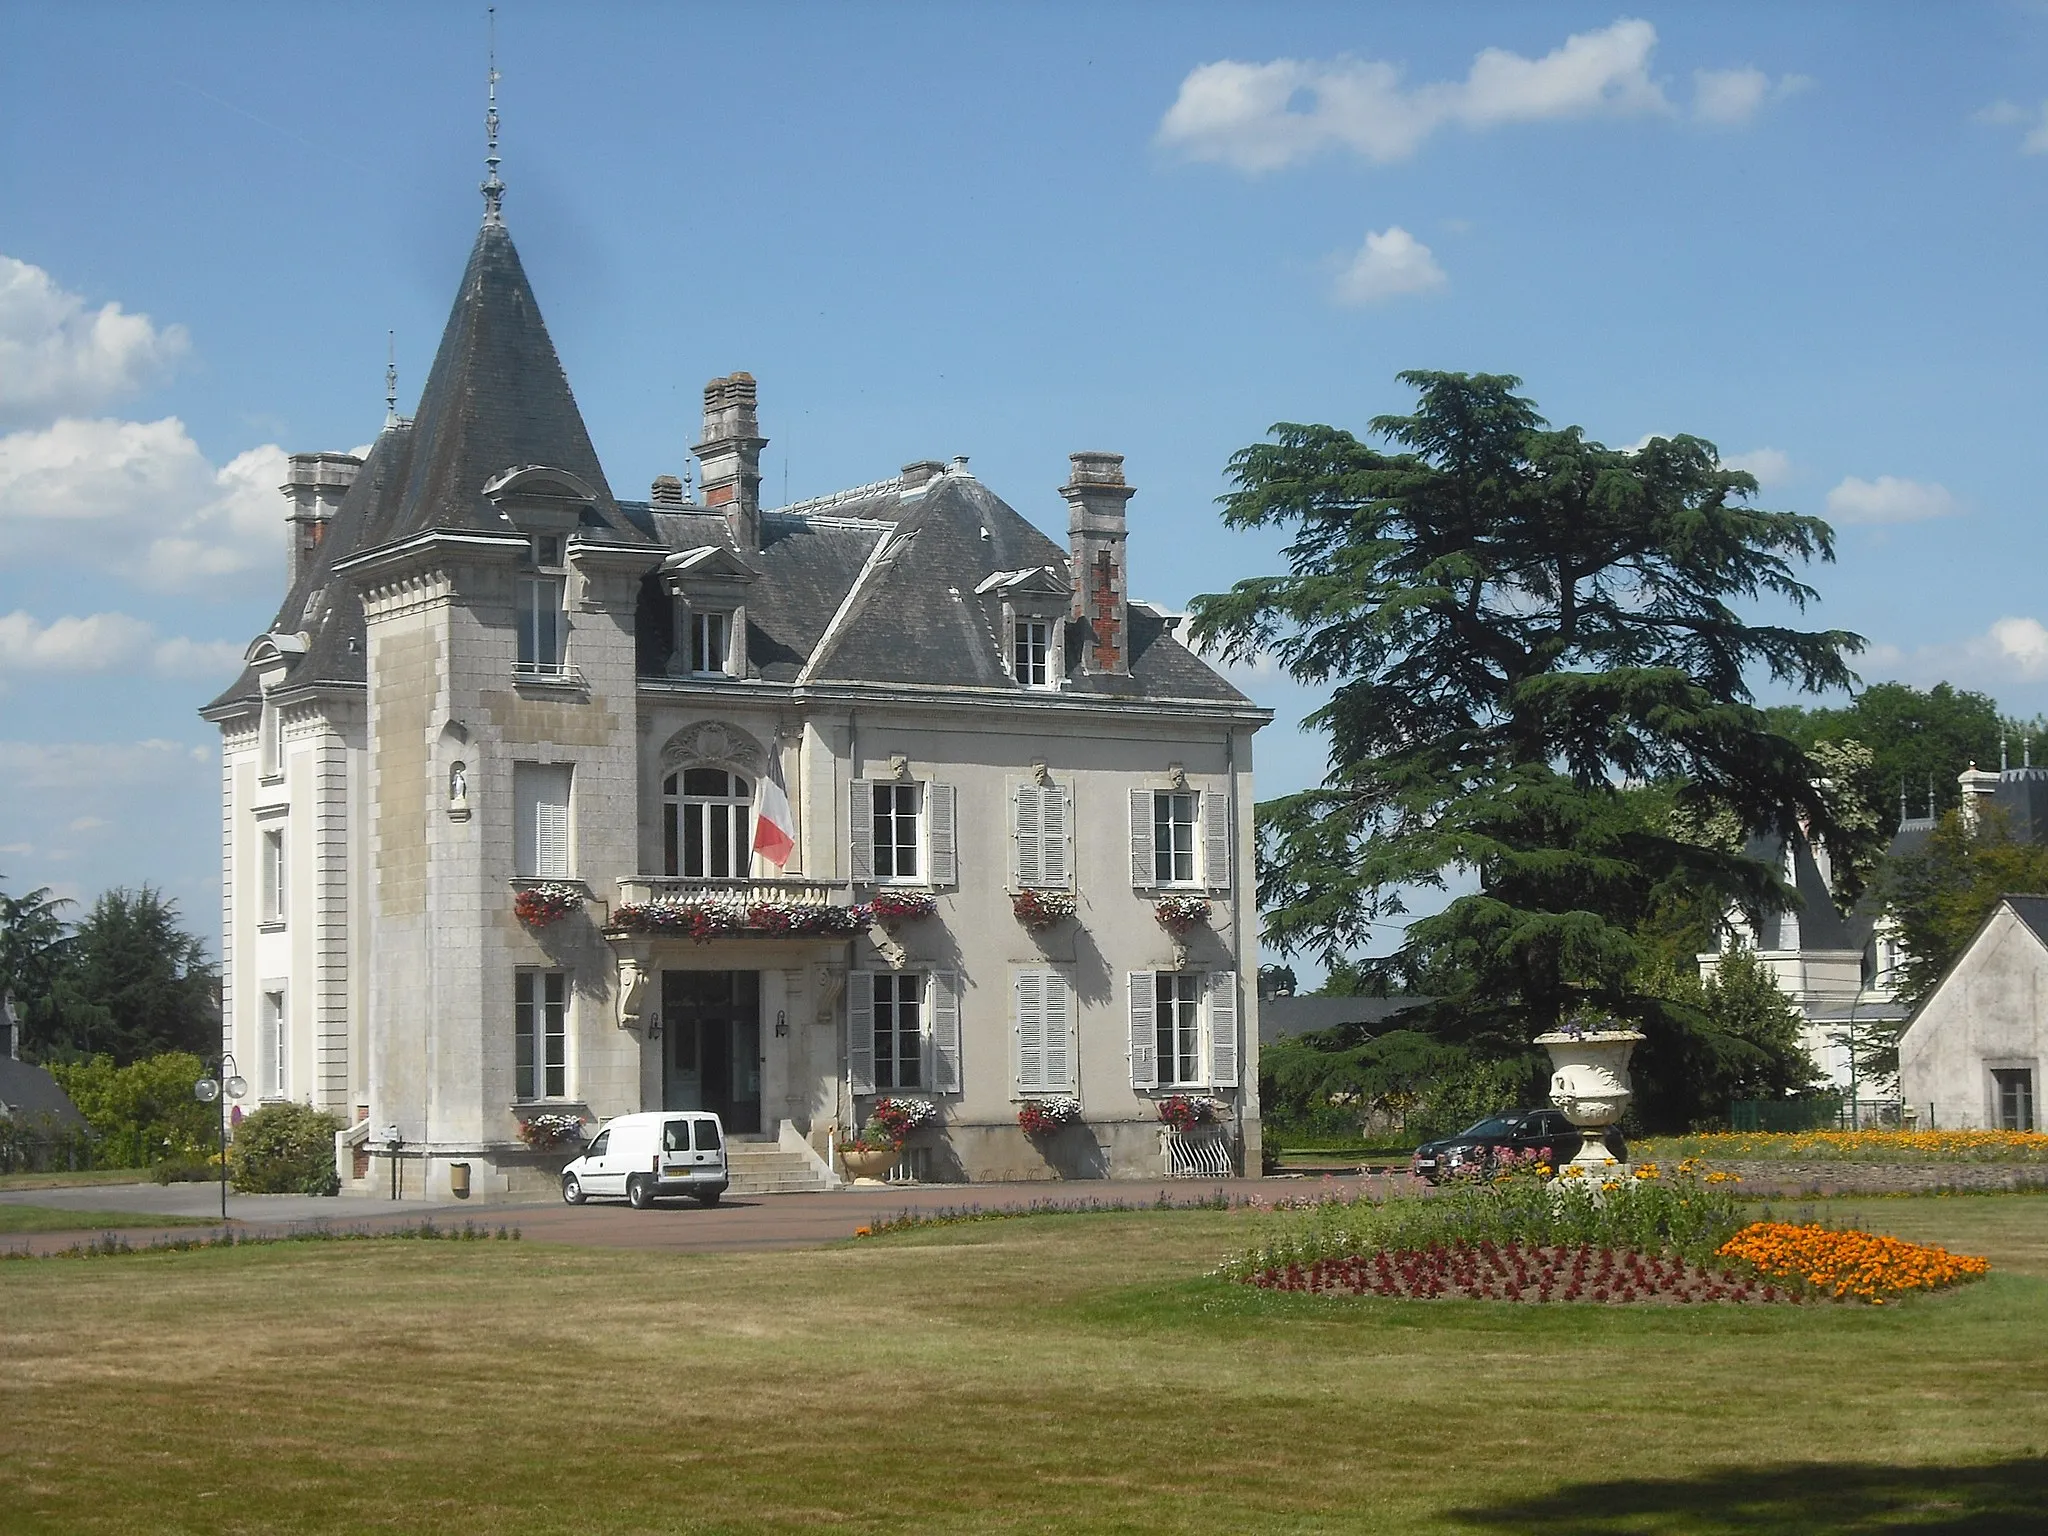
x=1071 y=1373
x=81 y=1179
x=48 y=1218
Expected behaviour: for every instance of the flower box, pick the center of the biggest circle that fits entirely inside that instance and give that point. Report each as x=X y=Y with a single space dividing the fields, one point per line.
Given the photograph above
x=539 y=905
x=1181 y=915
x=1039 y=910
x=893 y=907
x=1183 y=1111
x=551 y=1132
x=705 y=920
x=1044 y=1117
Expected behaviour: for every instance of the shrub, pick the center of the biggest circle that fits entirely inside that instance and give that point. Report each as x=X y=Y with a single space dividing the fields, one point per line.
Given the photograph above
x=285 y=1149
x=144 y=1112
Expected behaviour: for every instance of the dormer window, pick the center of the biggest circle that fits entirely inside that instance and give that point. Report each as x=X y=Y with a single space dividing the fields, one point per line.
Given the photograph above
x=1031 y=644
x=545 y=551
x=710 y=642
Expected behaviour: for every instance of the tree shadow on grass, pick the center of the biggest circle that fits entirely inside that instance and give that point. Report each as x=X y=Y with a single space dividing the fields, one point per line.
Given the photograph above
x=2000 y=1496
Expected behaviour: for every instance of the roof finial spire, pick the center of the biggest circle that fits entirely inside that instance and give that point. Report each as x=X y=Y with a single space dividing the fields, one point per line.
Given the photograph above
x=493 y=189
x=2001 y=753
x=390 y=379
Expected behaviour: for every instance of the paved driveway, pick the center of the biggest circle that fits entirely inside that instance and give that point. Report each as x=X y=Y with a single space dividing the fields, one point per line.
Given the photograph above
x=736 y=1225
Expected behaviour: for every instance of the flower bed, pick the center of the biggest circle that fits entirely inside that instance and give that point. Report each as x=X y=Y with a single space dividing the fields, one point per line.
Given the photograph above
x=890 y=907
x=708 y=920
x=539 y=905
x=1511 y=1271
x=1181 y=915
x=1041 y=1117
x=1858 y=1146
x=549 y=1133
x=1042 y=909
x=1185 y=1111
x=1848 y=1265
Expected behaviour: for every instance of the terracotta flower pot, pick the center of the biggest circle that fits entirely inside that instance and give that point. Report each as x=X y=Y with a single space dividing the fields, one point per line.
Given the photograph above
x=868 y=1162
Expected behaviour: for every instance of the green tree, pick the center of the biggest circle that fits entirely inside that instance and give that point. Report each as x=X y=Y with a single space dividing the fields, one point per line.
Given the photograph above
x=144 y=1112
x=1730 y=1035
x=1941 y=895
x=1917 y=739
x=1519 y=622
x=135 y=983
x=34 y=940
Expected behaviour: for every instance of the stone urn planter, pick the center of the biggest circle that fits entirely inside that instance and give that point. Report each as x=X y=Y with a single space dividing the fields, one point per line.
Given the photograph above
x=1589 y=1082
x=869 y=1163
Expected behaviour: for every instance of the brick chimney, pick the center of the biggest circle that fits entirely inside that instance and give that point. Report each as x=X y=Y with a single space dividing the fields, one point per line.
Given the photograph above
x=730 y=456
x=1096 y=493
x=314 y=485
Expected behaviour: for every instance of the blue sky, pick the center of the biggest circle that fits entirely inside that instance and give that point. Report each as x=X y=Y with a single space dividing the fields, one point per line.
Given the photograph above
x=1810 y=234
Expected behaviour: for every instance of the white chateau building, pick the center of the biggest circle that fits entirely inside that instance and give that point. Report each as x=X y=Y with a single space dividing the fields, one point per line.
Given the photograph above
x=490 y=677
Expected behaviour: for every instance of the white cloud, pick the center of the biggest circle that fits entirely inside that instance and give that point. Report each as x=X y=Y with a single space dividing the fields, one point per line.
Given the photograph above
x=1259 y=117
x=141 y=499
x=1729 y=98
x=1390 y=264
x=89 y=824
x=2021 y=643
x=1888 y=499
x=2011 y=650
x=108 y=642
x=2006 y=114
x=1771 y=466
x=93 y=766
x=58 y=356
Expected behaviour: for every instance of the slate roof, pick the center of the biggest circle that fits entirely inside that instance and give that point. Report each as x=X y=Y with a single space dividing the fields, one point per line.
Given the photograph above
x=28 y=1091
x=821 y=606
x=2033 y=911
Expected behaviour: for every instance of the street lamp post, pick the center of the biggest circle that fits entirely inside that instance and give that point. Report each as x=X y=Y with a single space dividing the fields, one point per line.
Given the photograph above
x=229 y=1085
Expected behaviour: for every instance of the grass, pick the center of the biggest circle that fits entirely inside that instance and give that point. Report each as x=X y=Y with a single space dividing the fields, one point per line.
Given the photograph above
x=81 y=1179
x=1072 y=1373
x=15 y=1219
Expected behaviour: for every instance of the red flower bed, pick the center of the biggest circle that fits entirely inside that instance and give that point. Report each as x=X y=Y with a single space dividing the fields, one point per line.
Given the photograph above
x=1489 y=1271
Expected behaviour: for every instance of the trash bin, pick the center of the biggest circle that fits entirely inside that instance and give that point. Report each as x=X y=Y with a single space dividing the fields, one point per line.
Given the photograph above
x=458 y=1180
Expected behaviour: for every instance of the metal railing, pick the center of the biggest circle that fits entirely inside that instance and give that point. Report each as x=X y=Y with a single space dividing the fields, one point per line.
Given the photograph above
x=1201 y=1154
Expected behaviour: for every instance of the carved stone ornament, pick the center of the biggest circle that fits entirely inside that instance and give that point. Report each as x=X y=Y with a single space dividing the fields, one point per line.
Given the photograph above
x=714 y=741
x=632 y=991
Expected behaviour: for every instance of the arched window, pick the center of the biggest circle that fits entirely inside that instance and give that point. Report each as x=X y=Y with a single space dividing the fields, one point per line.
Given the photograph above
x=706 y=827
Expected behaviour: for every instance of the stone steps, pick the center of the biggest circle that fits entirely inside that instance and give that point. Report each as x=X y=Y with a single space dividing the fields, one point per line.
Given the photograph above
x=762 y=1168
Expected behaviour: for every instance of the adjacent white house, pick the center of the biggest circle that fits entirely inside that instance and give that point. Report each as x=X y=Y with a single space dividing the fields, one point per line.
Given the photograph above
x=491 y=779
x=1973 y=1054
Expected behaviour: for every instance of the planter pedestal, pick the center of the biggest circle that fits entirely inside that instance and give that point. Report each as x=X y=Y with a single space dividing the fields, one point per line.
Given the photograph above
x=1589 y=1082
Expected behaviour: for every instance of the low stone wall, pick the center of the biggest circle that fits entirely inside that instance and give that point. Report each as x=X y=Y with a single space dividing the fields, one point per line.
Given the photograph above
x=1843 y=1178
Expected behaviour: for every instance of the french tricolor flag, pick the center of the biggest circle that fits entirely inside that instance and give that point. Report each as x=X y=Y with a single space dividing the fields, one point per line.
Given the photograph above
x=774 y=826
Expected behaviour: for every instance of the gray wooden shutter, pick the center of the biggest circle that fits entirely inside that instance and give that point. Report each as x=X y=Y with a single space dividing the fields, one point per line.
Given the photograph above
x=1144 y=871
x=945 y=861
x=860 y=822
x=860 y=1030
x=1027 y=860
x=1216 y=839
x=1056 y=832
x=1059 y=1032
x=1030 y=989
x=1223 y=1028
x=1144 y=1031
x=945 y=1035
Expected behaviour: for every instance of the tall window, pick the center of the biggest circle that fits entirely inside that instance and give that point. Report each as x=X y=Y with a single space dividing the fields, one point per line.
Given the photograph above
x=1173 y=836
x=540 y=807
x=275 y=1039
x=543 y=629
x=896 y=831
x=2013 y=1090
x=1030 y=644
x=1178 y=1024
x=274 y=888
x=271 y=763
x=707 y=826
x=541 y=1035
x=710 y=634
x=899 y=1030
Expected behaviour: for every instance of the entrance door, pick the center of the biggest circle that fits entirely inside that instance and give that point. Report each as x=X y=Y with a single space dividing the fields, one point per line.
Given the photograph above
x=711 y=1021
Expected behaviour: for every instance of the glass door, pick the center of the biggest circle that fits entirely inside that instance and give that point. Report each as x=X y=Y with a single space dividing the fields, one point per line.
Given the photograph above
x=711 y=1027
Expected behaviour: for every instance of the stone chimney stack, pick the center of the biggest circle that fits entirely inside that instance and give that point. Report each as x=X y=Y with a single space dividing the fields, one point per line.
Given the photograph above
x=1096 y=493
x=1980 y=788
x=731 y=458
x=314 y=485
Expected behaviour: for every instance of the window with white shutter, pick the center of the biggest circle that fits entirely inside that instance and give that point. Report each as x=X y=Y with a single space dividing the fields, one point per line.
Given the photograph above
x=1216 y=840
x=945 y=842
x=1143 y=856
x=1222 y=1002
x=1044 y=1027
x=1042 y=834
x=945 y=1032
x=1144 y=1044
x=540 y=804
x=860 y=822
x=860 y=1031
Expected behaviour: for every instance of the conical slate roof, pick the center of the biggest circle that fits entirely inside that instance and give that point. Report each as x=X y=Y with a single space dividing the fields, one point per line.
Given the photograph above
x=495 y=399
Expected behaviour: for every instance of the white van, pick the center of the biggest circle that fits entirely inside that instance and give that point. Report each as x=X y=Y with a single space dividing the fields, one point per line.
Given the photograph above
x=646 y=1156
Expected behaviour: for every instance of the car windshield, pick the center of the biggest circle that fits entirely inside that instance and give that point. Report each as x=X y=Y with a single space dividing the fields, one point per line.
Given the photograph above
x=1492 y=1126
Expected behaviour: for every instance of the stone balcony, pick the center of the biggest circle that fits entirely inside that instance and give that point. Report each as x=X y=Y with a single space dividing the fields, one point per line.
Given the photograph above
x=638 y=890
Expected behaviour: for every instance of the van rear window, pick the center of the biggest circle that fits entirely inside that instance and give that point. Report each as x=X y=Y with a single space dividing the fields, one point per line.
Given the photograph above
x=675 y=1136
x=707 y=1135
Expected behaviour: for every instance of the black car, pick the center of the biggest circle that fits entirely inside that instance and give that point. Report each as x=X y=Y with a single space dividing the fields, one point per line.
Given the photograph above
x=1476 y=1148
